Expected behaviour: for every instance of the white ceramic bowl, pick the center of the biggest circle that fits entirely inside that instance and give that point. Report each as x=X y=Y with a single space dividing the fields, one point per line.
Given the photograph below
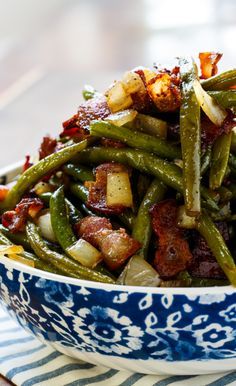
x=148 y=330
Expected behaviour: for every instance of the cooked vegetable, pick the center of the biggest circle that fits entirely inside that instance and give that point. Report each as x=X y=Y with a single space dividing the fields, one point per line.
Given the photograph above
x=190 y=137
x=220 y=82
x=135 y=139
x=60 y=220
x=216 y=243
x=64 y=263
x=121 y=195
x=142 y=228
x=37 y=171
x=139 y=273
x=119 y=190
x=219 y=160
x=84 y=253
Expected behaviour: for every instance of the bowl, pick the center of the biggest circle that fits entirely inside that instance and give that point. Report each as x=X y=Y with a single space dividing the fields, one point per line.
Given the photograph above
x=145 y=330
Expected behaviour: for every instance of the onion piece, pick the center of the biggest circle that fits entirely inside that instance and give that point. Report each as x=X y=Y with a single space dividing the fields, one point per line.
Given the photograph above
x=85 y=253
x=11 y=249
x=139 y=272
x=118 y=98
x=185 y=221
x=119 y=190
x=122 y=117
x=44 y=223
x=22 y=260
x=215 y=112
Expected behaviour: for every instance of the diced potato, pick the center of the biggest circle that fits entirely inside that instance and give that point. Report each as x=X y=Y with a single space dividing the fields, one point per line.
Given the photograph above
x=119 y=190
x=22 y=260
x=10 y=249
x=117 y=98
x=85 y=253
x=132 y=82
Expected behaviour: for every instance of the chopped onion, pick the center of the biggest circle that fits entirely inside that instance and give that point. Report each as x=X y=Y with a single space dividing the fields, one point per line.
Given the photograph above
x=10 y=249
x=133 y=83
x=42 y=187
x=22 y=260
x=85 y=253
x=119 y=190
x=139 y=273
x=122 y=117
x=44 y=223
x=215 y=112
x=185 y=221
x=118 y=98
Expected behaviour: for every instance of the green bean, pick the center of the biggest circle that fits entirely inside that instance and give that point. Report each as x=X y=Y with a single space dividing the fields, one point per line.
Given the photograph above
x=38 y=263
x=168 y=173
x=135 y=139
x=60 y=220
x=79 y=172
x=232 y=161
x=64 y=263
x=219 y=160
x=216 y=243
x=45 y=197
x=142 y=229
x=190 y=137
x=206 y=161
x=16 y=238
x=225 y=194
x=202 y=282
x=150 y=125
x=232 y=188
x=142 y=183
x=226 y=99
x=79 y=191
x=220 y=82
x=37 y=171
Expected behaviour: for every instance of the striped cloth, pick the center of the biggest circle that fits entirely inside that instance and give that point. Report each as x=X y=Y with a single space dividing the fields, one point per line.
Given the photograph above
x=26 y=362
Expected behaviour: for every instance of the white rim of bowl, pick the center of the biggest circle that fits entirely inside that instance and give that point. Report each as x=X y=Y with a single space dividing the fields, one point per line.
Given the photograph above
x=192 y=291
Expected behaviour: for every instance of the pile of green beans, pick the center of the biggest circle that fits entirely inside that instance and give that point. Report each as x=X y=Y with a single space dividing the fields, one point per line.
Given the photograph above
x=202 y=178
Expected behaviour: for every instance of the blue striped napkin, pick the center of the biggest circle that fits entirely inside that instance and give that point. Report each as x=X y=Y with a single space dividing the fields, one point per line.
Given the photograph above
x=26 y=362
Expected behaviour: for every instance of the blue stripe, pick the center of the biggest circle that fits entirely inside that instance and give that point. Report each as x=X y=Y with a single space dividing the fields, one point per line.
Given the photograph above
x=16 y=341
x=175 y=378
x=97 y=378
x=224 y=380
x=131 y=380
x=32 y=365
x=15 y=329
x=21 y=354
x=55 y=373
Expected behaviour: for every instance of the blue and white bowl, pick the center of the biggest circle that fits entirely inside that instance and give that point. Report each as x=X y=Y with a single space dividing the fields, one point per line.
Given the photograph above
x=148 y=330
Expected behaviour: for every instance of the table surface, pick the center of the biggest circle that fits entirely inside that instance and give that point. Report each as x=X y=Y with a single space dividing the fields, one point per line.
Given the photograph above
x=49 y=52
x=4 y=381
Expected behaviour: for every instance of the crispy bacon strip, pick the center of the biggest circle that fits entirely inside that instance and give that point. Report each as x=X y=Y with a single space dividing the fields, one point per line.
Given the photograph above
x=173 y=254
x=47 y=147
x=15 y=220
x=204 y=263
x=27 y=163
x=208 y=63
x=97 y=190
x=116 y=245
x=211 y=132
x=78 y=125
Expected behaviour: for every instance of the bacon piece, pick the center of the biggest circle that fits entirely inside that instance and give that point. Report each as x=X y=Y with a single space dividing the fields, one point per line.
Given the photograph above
x=208 y=63
x=3 y=192
x=173 y=254
x=47 y=147
x=211 y=132
x=15 y=220
x=116 y=245
x=78 y=125
x=89 y=226
x=97 y=190
x=204 y=263
x=27 y=163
